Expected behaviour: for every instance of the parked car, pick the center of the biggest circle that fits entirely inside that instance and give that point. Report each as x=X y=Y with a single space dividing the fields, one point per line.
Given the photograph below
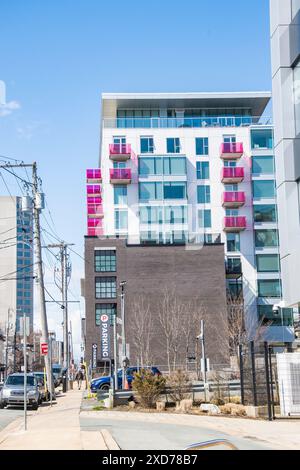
x=103 y=383
x=12 y=392
x=57 y=371
x=40 y=376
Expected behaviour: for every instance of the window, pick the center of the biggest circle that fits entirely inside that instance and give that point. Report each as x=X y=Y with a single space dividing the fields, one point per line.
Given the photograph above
x=266 y=238
x=262 y=139
x=173 y=145
x=105 y=309
x=147 y=145
x=235 y=288
x=176 y=215
x=231 y=187
x=232 y=212
x=234 y=266
x=269 y=288
x=150 y=191
x=105 y=288
x=202 y=170
x=151 y=238
x=265 y=213
x=119 y=140
x=202 y=146
x=263 y=165
x=204 y=218
x=176 y=237
x=233 y=242
x=267 y=263
x=150 y=166
x=175 y=190
x=203 y=194
x=121 y=220
x=120 y=195
x=175 y=166
x=229 y=139
x=267 y=316
x=151 y=215
x=263 y=189
x=105 y=261
x=120 y=165
x=230 y=164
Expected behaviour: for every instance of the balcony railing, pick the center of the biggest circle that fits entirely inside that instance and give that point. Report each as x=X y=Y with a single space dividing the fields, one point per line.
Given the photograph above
x=234 y=198
x=235 y=224
x=93 y=176
x=95 y=232
x=232 y=174
x=93 y=190
x=120 y=176
x=120 y=152
x=94 y=200
x=231 y=150
x=188 y=122
x=95 y=211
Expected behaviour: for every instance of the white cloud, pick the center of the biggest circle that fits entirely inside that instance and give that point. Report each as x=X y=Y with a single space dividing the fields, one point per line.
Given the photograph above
x=6 y=108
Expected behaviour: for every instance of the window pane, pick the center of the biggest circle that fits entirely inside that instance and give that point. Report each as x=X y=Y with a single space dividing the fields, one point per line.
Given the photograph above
x=262 y=138
x=173 y=145
x=267 y=316
x=202 y=146
x=263 y=165
x=265 y=213
x=175 y=166
x=147 y=145
x=267 y=263
x=150 y=191
x=203 y=194
x=120 y=195
x=146 y=166
x=105 y=287
x=270 y=288
x=105 y=309
x=233 y=242
x=202 y=170
x=204 y=218
x=121 y=220
x=264 y=189
x=105 y=260
x=174 y=190
x=266 y=238
x=151 y=215
x=176 y=215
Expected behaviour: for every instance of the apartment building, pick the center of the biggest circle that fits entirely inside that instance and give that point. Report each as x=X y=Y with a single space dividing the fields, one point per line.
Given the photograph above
x=16 y=263
x=285 y=46
x=193 y=168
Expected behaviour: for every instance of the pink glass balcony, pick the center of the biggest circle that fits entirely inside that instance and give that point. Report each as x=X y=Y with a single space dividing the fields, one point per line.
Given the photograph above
x=120 y=176
x=94 y=223
x=232 y=174
x=94 y=200
x=93 y=176
x=230 y=151
x=235 y=224
x=93 y=190
x=95 y=232
x=120 y=152
x=233 y=199
x=95 y=211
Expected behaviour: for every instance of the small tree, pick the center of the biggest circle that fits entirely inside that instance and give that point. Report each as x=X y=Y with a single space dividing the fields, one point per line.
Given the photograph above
x=141 y=327
x=180 y=385
x=148 y=387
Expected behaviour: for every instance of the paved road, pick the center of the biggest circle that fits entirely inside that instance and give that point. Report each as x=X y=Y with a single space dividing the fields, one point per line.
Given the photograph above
x=145 y=435
x=7 y=416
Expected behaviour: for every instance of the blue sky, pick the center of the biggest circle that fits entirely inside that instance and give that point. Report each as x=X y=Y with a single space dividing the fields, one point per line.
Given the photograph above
x=58 y=56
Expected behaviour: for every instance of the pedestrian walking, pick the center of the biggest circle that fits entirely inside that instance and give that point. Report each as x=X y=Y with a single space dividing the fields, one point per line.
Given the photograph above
x=79 y=378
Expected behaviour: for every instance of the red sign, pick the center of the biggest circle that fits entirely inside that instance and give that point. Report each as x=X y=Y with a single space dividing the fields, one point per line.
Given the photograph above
x=44 y=349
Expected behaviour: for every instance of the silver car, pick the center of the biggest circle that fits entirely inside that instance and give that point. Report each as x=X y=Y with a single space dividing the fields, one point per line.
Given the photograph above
x=12 y=393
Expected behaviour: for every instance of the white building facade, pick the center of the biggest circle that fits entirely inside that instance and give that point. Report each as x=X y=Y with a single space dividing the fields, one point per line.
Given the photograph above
x=285 y=45
x=180 y=168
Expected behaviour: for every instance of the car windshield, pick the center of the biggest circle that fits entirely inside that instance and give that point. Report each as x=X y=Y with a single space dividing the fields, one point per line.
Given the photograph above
x=19 y=380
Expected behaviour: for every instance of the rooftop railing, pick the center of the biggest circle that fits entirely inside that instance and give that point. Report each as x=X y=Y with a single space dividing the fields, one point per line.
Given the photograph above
x=192 y=122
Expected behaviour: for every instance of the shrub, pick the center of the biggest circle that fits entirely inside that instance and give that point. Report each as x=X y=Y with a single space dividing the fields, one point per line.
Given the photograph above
x=233 y=409
x=180 y=384
x=148 y=387
x=217 y=401
x=235 y=400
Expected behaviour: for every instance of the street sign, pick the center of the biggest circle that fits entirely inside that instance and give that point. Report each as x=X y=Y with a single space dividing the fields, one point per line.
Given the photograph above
x=105 y=337
x=94 y=356
x=44 y=349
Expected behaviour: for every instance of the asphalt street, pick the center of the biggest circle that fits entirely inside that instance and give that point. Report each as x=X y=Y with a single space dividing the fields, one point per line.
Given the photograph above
x=143 y=435
x=8 y=415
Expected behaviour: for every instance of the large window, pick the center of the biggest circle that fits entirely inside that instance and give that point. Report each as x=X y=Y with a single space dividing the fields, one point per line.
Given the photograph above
x=105 y=261
x=263 y=189
x=266 y=238
x=265 y=213
x=267 y=316
x=202 y=170
x=105 y=309
x=203 y=194
x=121 y=219
x=173 y=145
x=263 y=165
x=202 y=146
x=204 y=218
x=147 y=144
x=176 y=215
x=150 y=191
x=175 y=166
x=175 y=190
x=105 y=287
x=150 y=166
x=162 y=165
x=262 y=139
x=269 y=288
x=268 y=263
x=151 y=215
x=120 y=195
x=233 y=242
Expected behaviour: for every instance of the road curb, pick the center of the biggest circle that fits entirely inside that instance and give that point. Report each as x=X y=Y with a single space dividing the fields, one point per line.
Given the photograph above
x=110 y=442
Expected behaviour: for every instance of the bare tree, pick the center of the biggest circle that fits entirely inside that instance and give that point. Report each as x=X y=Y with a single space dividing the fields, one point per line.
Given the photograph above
x=141 y=327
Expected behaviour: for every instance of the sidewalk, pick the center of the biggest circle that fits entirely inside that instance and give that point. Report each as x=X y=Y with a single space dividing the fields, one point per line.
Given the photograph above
x=55 y=428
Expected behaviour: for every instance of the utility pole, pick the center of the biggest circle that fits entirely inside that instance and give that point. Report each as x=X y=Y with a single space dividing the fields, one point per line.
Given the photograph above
x=203 y=359
x=25 y=368
x=124 y=358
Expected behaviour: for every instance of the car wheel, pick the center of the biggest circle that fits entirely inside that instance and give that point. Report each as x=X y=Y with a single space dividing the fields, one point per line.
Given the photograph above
x=2 y=405
x=104 y=387
x=35 y=406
